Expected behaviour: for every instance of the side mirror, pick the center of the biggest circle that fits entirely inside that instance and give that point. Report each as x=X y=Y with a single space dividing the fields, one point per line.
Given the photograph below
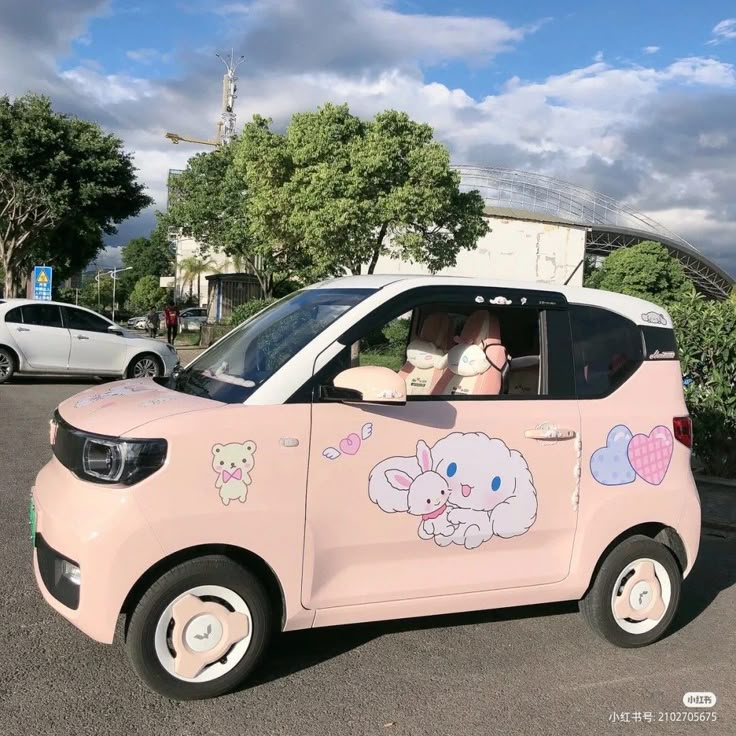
x=115 y=330
x=369 y=384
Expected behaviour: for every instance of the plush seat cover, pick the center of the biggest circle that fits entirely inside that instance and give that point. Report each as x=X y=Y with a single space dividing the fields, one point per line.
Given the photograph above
x=476 y=365
x=426 y=356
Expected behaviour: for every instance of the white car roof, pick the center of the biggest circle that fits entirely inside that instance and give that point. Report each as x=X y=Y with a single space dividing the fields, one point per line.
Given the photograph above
x=637 y=310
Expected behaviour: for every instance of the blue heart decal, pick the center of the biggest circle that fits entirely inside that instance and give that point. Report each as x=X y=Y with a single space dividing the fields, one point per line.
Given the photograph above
x=610 y=465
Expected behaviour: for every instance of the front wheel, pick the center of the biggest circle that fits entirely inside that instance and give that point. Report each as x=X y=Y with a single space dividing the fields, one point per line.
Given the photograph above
x=145 y=366
x=200 y=629
x=635 y=595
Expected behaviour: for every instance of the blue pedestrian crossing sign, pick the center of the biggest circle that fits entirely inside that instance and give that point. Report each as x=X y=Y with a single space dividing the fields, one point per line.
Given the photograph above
x=42 y=280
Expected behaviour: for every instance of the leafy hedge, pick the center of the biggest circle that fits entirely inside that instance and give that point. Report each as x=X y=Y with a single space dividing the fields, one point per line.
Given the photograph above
x=706 y=335
x=247 y=310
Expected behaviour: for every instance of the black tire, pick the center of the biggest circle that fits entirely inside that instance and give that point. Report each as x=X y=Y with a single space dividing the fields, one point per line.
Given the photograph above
x=145 y=358
x=7 y=365
x=140 y=632
x=597 y=608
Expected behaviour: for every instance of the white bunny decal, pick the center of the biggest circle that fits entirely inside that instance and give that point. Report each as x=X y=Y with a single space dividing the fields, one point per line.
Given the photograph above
x=424 y=495
x=468 y=488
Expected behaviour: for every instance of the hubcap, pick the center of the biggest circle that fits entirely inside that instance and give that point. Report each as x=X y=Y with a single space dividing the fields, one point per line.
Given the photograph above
x=641 y=596
x=203 y=633
x=4 y=365
x=145 y=368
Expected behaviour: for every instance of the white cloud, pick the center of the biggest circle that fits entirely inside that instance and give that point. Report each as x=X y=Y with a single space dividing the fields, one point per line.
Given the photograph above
x=724 y=31
x=148 y=56
x=650 y=50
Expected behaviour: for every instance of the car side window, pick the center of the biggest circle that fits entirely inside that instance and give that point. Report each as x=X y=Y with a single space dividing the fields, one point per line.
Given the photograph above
x=607 y=347
x=78 y=319
x=43 y=315
x=14 y=316
x=464 y=346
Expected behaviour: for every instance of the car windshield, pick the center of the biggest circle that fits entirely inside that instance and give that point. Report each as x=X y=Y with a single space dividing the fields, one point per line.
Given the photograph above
x=233 y=369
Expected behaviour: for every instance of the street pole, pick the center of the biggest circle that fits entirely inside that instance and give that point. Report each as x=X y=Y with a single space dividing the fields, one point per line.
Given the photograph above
x=114 y=273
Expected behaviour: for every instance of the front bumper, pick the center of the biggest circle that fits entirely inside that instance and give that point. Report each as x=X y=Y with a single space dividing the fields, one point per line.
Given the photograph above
x=171 y=360
x=100 y=530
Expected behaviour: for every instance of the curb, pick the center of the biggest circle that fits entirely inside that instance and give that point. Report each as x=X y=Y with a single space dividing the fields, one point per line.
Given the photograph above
x=717 y=525
x=714 y=480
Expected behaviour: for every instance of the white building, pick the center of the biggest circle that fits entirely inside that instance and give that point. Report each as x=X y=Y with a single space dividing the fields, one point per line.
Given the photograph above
x=521 y=246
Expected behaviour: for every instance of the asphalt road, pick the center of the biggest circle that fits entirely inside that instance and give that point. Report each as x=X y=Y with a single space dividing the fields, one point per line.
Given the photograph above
x=521 y=671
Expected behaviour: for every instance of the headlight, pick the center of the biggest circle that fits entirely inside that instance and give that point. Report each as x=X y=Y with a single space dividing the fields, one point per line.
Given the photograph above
x=171 y=349
x=107 y=459
x=122 y=461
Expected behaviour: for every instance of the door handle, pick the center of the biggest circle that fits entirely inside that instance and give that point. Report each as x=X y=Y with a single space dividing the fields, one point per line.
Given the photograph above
x=549 y=432
x=23 y=329
x=82 y=337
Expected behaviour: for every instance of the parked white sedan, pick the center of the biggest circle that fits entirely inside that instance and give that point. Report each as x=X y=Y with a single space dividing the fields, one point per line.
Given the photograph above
x=54 y=338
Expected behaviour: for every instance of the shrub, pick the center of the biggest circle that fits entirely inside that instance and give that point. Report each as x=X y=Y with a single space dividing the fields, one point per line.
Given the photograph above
x=706 y=335
x=247 y=310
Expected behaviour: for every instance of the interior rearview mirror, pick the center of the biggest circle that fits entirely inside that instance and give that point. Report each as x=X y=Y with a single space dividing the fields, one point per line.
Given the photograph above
x=369 y=384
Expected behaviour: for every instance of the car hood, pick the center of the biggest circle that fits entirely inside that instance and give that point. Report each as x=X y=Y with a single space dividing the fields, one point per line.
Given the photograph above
x=117 y=408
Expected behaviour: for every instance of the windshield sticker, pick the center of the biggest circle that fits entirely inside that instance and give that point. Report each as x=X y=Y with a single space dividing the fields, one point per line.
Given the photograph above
x=349 y=445
x=466 y=489
x=233 y=463
x=499 y=300
x=125 y=389
x=654 y=318
x=627 y=456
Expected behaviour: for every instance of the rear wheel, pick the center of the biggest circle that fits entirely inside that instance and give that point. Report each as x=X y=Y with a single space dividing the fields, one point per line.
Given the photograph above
x=145 y=366
x=635 y=595
x=200 y=629
x=7 y=365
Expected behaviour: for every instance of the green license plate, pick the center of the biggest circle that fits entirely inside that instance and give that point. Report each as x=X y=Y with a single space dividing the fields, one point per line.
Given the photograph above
x=32 y=520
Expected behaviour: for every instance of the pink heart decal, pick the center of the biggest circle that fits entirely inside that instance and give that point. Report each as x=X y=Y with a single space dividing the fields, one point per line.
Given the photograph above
x=650 y=454
x=351 y=444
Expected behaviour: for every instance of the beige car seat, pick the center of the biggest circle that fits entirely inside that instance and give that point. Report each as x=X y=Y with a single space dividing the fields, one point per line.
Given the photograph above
x=478 y=362
x=426 y=356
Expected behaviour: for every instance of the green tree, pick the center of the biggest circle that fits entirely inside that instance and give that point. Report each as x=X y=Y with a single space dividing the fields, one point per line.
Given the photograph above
x=332 y=193
x=646 y=270
x=147 y=293
x=98 y=295
x=706 y=339
x=192 y=269
x=64 y=183
x=339 y=192
x=151 y=256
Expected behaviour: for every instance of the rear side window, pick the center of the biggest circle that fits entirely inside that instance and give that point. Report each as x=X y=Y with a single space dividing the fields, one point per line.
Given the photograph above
x=14 y=315
x=43 y=315
x=608 y=348
x=78 y=319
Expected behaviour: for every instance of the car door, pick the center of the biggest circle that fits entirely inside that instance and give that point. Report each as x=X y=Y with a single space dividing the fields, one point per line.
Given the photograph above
x=42 y=337
x=93 y=346
x=508 y=464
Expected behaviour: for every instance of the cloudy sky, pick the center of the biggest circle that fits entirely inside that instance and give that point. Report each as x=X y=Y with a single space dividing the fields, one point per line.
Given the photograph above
x=636 y=99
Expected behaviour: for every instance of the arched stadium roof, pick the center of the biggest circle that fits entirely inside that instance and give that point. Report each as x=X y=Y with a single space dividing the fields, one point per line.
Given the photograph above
x=610 y=224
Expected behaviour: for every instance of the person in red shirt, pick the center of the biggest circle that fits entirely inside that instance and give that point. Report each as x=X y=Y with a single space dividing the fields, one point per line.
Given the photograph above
x=171 y=315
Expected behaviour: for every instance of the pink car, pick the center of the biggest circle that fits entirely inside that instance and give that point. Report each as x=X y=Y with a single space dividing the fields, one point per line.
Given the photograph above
x=372 y=448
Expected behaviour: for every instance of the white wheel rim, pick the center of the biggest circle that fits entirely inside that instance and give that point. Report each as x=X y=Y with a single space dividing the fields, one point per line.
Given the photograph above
x=636 y=592
x=195 y=631
x=4 y=365
x=145 y=368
